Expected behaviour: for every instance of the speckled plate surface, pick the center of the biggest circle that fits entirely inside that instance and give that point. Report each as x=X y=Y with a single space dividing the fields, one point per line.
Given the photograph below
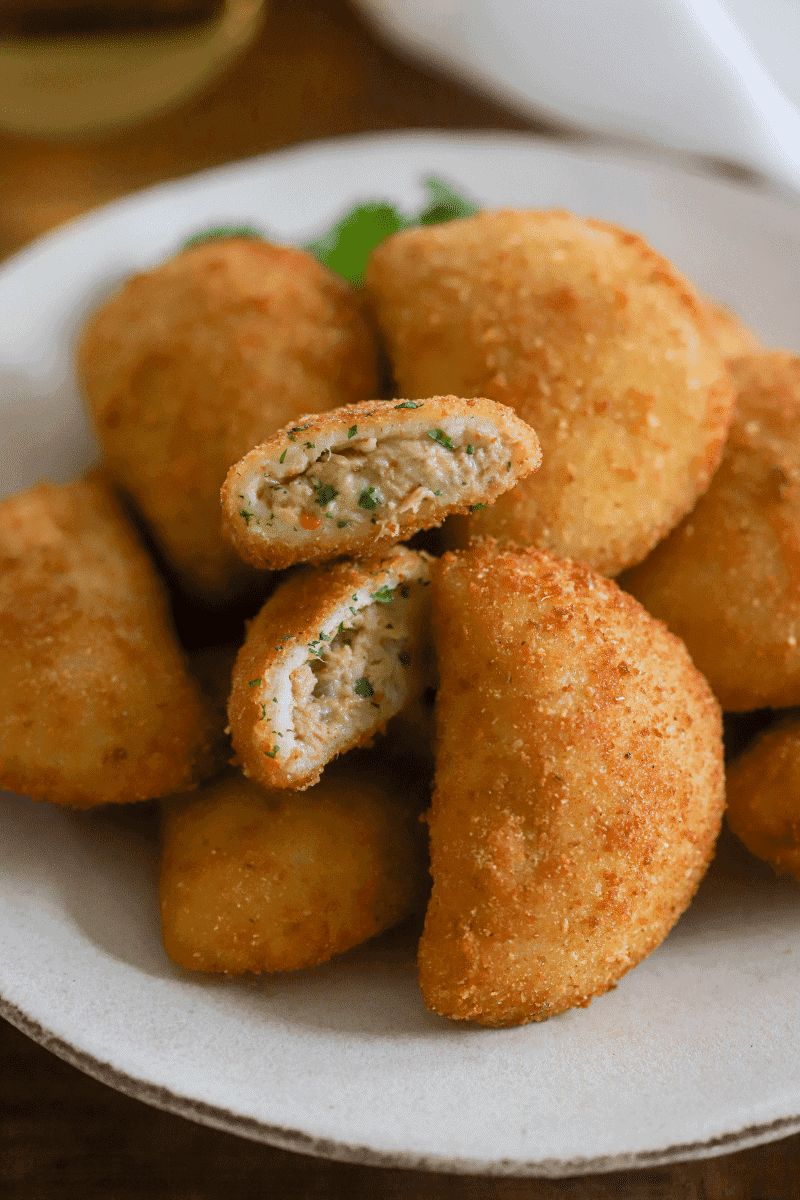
x=695 y=1052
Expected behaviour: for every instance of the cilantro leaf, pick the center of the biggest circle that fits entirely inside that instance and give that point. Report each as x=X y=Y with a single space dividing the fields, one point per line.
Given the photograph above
x=444 y=203
x=410 y=404
x=384 y=595
x=364 y=688
x=346 y=247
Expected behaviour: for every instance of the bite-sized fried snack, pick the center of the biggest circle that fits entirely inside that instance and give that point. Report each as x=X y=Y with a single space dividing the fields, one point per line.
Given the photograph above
x=579 y=786
x=727 y=580
x=191 y=364
x=733 y=336
x=253 y=880
x=763 y=789
x=361 y=478
x=334 y=653
x=96 y=703
x=594 y=340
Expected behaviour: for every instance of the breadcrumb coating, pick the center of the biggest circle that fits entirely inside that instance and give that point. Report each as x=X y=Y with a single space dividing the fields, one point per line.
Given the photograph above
x=592 y=338
x=254 y=880
x=191 y=364
x=96 y=703
x=727 y=579
x=763 y=789
x=579 y=786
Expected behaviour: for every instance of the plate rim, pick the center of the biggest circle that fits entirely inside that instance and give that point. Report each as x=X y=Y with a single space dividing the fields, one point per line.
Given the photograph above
x=296 y=1140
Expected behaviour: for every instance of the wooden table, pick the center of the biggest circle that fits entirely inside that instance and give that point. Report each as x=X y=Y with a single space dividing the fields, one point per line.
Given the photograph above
x=315 y=71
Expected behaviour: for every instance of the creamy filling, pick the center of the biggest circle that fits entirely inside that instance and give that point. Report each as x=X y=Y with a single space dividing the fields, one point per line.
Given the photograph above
x=373 y=481
x=365 y=673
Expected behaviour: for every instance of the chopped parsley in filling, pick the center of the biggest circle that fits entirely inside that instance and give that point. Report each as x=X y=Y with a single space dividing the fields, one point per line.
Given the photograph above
x=354 y=679
x=368 y=479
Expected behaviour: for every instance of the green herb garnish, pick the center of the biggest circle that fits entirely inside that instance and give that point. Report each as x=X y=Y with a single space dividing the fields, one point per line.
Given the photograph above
x=438 y=435
x=444 y=204
x=254 y=682
x=283 y=456
x=384 y=595
x=340 y=524
x=475 y=507
x=352 y=431
x=271 y=753
x=248 y=516
x=324 y=493
x=347 y=245
x=364 y=688
x=409 y=404
x=369 y=498
x=470 y=449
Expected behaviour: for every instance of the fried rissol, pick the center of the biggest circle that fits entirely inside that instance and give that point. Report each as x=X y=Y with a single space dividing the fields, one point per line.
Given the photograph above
x=579 y=786
x=257 y=880
x=191 y=364
x=734 y=338
x=763 y=792
x=97 y=705
x=359 y=479
x=335 y=652
x=727 y=580
x=592 y=338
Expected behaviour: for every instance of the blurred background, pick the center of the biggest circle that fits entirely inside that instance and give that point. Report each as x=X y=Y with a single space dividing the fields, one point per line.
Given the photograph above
x=100 y=98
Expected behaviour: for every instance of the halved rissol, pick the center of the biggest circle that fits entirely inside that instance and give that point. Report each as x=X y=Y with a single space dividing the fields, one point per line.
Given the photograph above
x=358 y=479
x=334 y=653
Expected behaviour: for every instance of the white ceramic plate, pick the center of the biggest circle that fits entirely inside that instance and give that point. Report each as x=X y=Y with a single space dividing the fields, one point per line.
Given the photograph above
x=695 y=1052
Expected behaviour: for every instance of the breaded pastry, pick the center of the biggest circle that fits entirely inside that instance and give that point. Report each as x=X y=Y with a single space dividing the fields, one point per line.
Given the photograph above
x=733 y=336
x=253 y=880
x=763 y=789
x=193 y=363
x=594 y=340
x=334 y=653
x=359 y=479
x=579 y=786
x=96 y=703
x=727 y=580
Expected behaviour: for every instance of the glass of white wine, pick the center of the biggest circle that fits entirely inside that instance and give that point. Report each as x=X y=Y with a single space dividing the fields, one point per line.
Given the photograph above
x=74 y=67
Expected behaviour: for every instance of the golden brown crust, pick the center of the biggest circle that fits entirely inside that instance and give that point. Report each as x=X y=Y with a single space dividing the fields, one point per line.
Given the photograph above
x=483 y=449
x=734 y=338
x=579 y=786
x=97 y=704
x=286 y=636
x=763 y=789
x=592 y=338
x=194 y=362
x=727 y=580
x=253 y=880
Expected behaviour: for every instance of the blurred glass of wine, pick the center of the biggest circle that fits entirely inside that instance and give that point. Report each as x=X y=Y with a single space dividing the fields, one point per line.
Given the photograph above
x=72 y=67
